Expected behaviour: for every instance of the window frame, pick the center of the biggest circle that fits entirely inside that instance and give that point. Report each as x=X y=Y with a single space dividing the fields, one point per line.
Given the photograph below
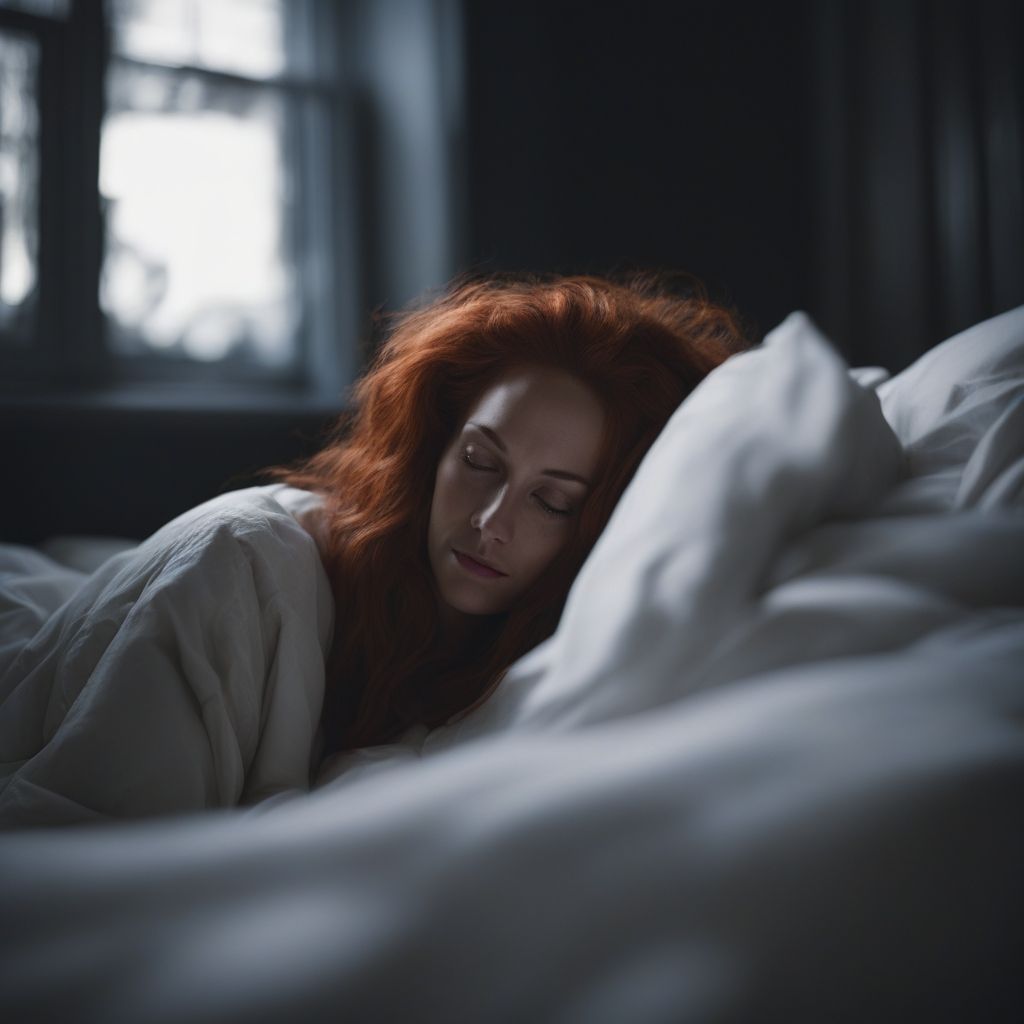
x=69 y=356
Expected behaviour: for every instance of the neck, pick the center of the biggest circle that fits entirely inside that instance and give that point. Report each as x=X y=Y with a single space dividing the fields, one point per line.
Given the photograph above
x=455 y=629
x=459 y=633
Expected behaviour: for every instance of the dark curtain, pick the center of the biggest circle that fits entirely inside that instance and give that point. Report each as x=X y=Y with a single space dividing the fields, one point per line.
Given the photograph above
x=920 y=230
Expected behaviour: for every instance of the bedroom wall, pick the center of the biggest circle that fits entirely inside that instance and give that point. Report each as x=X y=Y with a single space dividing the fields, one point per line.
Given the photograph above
x=609 y=135
x=862 y=160
x=108 y=471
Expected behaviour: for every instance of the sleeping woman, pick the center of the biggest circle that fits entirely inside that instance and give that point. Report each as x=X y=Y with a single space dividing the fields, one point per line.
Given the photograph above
x=492 y=437
x=487 y=445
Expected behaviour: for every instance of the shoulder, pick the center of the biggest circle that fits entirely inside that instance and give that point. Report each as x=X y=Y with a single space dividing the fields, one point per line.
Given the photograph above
x=245 y=548
x=248 y=531
x=245 y=515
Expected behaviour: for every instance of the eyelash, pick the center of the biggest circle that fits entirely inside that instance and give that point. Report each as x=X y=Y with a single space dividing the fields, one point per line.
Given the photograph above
x=543 y=504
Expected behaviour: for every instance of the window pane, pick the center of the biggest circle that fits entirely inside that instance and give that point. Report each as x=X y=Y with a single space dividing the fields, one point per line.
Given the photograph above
x=198 y=202
x=19 y=185
x=242 y=36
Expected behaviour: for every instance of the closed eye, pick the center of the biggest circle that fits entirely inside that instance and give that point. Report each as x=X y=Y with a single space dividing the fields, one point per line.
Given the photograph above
x=551 y=510
x=476 y=465
x=480 y=468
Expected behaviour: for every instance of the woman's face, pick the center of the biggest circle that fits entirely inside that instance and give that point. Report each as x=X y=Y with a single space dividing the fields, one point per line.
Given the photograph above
x=509 y=488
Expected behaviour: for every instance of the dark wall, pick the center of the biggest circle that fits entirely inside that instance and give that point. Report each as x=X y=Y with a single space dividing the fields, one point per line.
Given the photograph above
x=75 y=468
x=605 y=136
x=861 y=159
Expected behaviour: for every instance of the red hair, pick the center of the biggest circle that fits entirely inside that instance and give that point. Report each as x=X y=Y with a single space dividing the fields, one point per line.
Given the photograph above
x=640 y=346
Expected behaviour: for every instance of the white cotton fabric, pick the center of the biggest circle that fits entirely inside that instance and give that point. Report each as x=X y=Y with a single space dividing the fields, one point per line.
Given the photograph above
x=768 y=768
x=186 y=672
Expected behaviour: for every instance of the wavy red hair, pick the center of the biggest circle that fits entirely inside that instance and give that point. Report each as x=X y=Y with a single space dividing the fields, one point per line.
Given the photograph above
x=640 y=344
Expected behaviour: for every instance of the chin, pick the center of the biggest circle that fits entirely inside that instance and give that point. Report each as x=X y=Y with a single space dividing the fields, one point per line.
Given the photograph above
x=473 y=599
x=465 y=595
x=468 y=606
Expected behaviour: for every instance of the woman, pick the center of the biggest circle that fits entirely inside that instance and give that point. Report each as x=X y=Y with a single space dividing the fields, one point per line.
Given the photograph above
x=490 y=440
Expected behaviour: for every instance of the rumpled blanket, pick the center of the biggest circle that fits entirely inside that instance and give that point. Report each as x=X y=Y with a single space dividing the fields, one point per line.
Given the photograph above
x=768 y=768
x=182 y=674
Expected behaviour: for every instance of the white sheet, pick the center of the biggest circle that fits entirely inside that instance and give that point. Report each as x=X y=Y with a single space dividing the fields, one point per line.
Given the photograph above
x=769 y=767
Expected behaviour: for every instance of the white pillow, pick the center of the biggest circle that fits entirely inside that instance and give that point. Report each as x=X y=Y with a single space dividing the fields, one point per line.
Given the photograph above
x=959 y=412
x=772 y=442
x=945 y=381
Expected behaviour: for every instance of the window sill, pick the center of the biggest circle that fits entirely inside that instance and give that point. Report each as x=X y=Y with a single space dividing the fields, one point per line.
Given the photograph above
x=148 y=398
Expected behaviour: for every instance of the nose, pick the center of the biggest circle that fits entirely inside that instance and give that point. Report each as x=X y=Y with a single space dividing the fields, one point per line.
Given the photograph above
x=494 y=518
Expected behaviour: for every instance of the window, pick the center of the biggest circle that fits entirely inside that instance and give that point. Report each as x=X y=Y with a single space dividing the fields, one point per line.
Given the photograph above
x=19 y=186
x=205 y=198
x=210 y=271
x=172 y=206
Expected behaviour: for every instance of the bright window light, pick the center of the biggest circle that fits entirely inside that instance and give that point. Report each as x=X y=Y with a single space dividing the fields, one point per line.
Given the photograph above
x=19 y=179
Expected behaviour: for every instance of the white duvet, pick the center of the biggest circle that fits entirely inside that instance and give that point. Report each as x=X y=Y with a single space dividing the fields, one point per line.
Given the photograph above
x=181 y=674
x=768 y=768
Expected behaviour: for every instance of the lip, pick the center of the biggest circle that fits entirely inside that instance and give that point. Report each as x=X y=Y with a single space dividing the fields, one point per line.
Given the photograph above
x=477 y=568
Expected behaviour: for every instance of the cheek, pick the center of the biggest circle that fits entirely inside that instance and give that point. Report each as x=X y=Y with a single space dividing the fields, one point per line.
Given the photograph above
x=446 y=500
x=546 y=542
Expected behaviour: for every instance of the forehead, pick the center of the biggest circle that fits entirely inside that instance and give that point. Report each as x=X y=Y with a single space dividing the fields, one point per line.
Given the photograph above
x=543 y=411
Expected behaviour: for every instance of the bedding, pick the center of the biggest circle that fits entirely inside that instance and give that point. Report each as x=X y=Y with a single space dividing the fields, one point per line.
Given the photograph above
x=183 y=673
x=768 y=767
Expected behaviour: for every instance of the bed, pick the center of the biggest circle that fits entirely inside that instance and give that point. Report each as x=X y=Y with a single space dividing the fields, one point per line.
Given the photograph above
x=769 y=767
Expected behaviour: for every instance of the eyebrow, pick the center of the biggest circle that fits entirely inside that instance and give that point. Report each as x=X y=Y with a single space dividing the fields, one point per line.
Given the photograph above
x=560 y=474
